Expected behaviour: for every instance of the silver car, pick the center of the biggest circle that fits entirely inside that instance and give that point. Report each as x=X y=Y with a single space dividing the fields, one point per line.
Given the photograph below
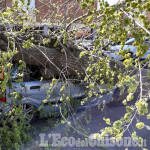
x=37 y=96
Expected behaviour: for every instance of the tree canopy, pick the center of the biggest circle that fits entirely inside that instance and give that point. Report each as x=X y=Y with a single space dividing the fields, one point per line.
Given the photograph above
x=60 y=54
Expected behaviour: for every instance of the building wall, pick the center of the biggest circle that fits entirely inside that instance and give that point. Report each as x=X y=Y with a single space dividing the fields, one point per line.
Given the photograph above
x=47 y=10
x=9 y=3
x=43 y=8
x=148 y=16
x=2 y=5
x=72 y=9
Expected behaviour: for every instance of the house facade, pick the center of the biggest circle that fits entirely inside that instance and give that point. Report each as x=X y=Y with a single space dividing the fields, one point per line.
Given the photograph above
x=4 y=4
x=148 y=16
x=69 y=7
x=49 y=8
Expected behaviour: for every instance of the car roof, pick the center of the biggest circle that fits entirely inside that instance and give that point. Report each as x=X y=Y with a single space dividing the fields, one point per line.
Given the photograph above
x=132 y=40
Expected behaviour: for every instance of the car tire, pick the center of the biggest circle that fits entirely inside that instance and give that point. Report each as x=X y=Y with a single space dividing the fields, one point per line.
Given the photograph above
x=26 y=113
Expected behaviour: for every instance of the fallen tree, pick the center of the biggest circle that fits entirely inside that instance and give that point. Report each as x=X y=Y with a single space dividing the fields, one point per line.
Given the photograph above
x=55 y=59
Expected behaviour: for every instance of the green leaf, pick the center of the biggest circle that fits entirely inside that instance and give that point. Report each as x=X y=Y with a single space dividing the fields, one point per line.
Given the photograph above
x=140 y=125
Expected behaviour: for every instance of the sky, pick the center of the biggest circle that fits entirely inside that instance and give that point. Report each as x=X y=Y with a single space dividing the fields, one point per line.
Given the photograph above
x=112 y=2
x=32 y=5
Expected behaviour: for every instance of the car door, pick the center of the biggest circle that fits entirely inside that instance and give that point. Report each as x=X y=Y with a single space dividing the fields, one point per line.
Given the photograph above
x=29 y=89
x=73 y=90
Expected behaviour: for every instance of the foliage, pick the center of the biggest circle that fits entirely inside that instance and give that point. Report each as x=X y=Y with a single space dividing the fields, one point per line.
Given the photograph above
x=115 y=28
x=110 y=27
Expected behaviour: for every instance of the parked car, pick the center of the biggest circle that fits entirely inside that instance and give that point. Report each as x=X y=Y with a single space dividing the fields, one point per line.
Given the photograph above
x=114 y=50
x=34 y=96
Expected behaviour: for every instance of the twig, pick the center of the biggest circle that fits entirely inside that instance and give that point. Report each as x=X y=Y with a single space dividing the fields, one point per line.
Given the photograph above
x=129 y=16
x=73 y=21
x=72 y=126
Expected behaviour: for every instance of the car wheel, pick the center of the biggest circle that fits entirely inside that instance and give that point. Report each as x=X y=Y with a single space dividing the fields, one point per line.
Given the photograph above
x=24 y=112
x=28 y=112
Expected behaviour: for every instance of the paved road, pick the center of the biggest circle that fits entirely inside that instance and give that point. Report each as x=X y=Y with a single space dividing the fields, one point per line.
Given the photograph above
x=87 y=122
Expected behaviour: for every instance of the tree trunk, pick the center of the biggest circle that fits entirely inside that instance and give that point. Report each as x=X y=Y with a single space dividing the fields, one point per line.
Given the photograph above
x=53 y=62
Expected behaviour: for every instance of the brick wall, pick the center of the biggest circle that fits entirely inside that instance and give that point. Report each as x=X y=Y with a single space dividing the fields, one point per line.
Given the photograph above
x=47 y=10
x=148 y=16
x=9 y=3
x=43 y=8
x=2 y=5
